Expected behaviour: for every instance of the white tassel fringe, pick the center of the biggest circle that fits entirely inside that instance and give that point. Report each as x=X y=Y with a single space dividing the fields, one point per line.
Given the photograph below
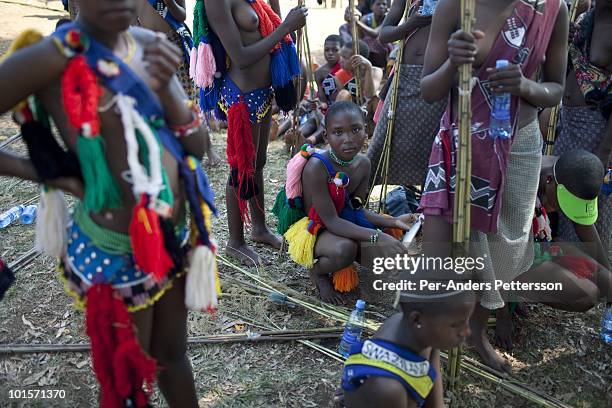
x=51 y=223
x=201 y=287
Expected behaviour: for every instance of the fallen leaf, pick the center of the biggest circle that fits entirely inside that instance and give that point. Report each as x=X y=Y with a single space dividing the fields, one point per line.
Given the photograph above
x=27 y=322
x=60 y=331
x=82 y=364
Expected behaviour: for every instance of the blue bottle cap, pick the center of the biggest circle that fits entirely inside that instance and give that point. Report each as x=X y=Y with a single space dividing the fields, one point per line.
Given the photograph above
x=360 y=304
x=501 y=63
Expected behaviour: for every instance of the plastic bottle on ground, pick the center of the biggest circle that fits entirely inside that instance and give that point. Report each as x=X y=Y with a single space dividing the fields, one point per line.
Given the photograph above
x=29 y=214
x=7 y=217
x=606 y=326
x=353 y=329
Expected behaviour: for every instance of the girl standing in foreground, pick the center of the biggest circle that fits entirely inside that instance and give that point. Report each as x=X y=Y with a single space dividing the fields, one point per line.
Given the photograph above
x=112 y=93
x=505 y=171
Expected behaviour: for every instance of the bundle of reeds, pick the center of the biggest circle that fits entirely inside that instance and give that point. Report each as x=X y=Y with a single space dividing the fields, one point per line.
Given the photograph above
x=355 y=35
x=463 y=173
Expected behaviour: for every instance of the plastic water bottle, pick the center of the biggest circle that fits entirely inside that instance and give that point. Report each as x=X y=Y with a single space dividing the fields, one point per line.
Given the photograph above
x=606 y=188
x=501 y=126
x=11 y=215
x=29 y=215
x=606 y=327
x=353 y=329
x=428 y=7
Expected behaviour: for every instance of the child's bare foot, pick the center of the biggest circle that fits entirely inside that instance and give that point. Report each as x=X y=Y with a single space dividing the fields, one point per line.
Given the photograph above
x=243 y=253
x=487 y=353
x=326 y=290
x=503 y=328
x=267 y=237
x=213 y=158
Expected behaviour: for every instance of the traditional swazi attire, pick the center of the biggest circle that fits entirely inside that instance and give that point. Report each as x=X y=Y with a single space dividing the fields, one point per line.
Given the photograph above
x=584 y=127
x=379 y=358
x=179 y=34
x=113 y=273
x=504 y=170
x=347 y=81
x=209 y=68
x=412 y=139
x=301 y=229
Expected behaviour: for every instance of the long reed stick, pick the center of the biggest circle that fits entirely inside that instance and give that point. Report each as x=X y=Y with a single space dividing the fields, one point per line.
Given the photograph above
x=355 y=37
x=296 y=111
x=463 y=173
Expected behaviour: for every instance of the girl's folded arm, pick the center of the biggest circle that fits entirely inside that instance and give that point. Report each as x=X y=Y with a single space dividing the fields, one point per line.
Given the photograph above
x=315 y=177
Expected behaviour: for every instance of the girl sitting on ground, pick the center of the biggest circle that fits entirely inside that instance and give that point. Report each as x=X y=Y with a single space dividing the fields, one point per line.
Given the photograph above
x=330 y=224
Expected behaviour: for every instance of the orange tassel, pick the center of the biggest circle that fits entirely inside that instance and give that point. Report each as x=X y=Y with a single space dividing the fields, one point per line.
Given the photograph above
x=346 y=280
x=148 y=241
x=396 y=233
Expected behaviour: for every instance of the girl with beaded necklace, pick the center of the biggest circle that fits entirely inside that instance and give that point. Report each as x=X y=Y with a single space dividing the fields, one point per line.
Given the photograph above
x=330 y=224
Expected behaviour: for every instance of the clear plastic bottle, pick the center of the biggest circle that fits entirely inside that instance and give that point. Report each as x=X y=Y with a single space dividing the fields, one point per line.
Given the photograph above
x=428 y=7
x=353 y=329
x=606 y=327
x=501 y=125
x=606 y=188
x=7 y=217
x=29 y=215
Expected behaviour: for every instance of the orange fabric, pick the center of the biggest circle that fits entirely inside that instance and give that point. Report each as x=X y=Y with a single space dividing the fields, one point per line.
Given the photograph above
x=344 y=76
x=345 y=280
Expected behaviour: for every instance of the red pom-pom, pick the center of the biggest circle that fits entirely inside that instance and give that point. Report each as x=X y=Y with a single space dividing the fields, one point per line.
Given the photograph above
x=148 y=241
x=81 y=94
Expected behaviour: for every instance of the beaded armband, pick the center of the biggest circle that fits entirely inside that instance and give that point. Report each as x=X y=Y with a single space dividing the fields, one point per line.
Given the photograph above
x=191 y=127
x=374 y=237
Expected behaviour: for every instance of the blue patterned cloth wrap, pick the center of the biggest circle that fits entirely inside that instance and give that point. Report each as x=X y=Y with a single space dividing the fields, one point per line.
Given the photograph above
x=258 y=101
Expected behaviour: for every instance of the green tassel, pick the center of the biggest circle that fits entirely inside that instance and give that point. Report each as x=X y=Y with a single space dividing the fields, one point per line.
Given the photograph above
x=200 y=22
x=286 y=215
x=281 y=199
x=101 y=189
x=165 y=194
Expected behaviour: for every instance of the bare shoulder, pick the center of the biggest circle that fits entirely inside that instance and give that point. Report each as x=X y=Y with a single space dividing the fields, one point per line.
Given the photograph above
x=380 y=391
x=448 y=13
x=314 y=171
x=321 y=72
x=363 y=161
x=377 y=72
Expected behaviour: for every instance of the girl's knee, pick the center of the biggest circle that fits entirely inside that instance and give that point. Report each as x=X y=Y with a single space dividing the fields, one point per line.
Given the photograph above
x=588 y=300
x=346 y=250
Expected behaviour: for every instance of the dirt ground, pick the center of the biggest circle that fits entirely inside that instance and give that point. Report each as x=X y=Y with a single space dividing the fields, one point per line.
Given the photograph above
x=556 y=353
